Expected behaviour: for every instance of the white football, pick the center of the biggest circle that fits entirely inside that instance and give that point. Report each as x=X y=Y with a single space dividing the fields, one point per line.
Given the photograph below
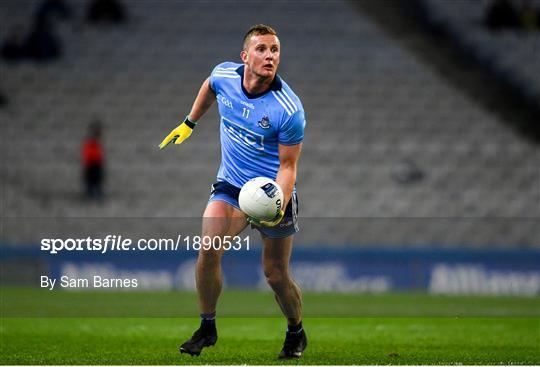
x=261 y=198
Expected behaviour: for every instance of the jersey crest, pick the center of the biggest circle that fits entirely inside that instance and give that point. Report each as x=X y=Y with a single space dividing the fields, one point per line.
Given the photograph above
x=264 y=122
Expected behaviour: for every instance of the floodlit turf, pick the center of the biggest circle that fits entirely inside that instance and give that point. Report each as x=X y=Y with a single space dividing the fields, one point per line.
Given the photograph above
x=381 y=329
x=23 y=302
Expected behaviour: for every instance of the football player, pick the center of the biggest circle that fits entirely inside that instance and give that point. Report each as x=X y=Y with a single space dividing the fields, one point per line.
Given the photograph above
x=261 y=130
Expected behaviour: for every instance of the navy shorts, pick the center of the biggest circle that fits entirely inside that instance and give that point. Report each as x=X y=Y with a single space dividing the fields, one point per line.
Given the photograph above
x=224 y=191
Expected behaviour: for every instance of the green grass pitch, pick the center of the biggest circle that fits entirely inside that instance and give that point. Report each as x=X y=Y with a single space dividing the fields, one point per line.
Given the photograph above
x=145 y=328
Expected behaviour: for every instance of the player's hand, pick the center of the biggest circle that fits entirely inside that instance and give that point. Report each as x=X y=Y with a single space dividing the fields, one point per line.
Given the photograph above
x=265 y=223
x=179 y=134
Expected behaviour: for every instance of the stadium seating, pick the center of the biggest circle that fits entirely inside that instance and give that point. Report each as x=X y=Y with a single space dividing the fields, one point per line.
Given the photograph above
x=374 y=114
x=512 y=53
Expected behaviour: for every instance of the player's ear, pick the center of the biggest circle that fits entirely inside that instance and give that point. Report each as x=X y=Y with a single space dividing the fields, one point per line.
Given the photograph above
x=243 y=55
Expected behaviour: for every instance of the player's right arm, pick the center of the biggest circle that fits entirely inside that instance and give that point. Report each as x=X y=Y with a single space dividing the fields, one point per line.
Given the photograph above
x=203 y=101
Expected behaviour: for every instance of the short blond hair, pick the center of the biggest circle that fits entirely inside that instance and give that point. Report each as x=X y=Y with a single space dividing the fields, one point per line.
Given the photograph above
x=256 y=30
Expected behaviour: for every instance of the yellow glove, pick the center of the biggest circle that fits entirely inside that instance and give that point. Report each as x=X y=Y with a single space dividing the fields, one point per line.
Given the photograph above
x=181 y=133
x=267 y=223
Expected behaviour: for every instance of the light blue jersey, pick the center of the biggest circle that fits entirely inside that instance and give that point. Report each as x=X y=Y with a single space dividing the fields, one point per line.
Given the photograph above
x=252 y=126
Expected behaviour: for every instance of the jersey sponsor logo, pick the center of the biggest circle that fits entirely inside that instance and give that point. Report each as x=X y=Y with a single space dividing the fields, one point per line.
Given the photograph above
x=242 y=135
x=264 y=122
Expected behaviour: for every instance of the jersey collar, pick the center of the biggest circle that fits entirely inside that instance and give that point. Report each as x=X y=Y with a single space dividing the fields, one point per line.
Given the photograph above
x=276 y=84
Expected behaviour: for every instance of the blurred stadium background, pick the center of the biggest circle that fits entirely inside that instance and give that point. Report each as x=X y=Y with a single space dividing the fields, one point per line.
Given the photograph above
x=420 y=167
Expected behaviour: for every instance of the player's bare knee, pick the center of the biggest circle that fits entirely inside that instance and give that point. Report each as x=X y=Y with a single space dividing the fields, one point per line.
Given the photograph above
x=209 y=258
x=277 y=277
x=215 y=227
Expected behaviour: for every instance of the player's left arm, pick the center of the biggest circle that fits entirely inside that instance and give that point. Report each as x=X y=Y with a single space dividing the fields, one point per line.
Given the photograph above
x=291 y=135
x=286 y=178
x=288 y=164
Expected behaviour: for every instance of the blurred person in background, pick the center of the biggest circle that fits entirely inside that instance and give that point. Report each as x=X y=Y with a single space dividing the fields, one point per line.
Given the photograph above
x=529 y=16
x=53 y=10
x=93 y=162
x=262 y=130
x=501 y=14
x=106 y=11
x=42 y=44
x=13 y=48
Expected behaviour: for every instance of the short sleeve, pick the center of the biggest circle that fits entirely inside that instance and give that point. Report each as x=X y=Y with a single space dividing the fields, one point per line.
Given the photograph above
x=213 y=85
x=292 y=131
x=221 y=73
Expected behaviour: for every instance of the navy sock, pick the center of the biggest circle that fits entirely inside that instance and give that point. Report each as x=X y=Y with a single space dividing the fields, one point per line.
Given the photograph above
x=208 y=319
x=294 y=328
